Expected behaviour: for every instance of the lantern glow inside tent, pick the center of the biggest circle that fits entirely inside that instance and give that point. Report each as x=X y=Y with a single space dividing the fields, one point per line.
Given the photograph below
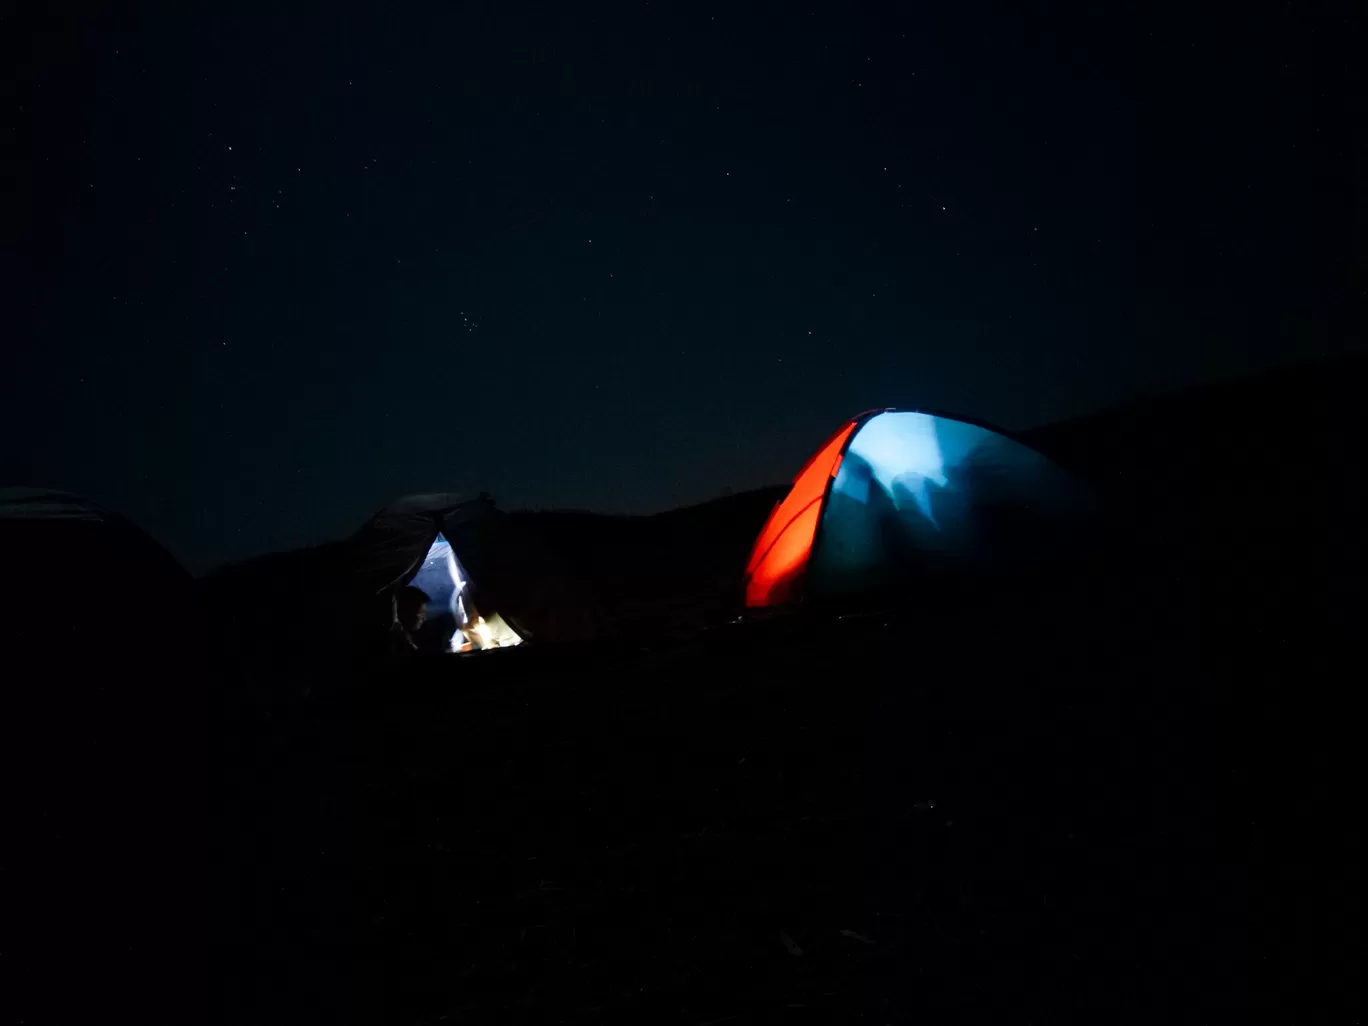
x=447 y=585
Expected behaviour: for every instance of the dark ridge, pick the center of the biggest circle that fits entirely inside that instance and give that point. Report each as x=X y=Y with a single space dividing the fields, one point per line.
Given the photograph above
x=673 y=570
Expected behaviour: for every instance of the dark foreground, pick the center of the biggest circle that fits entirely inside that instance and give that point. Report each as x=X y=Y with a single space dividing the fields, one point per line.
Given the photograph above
x=871 y=820
x=1112 y=801
x=1119 y=799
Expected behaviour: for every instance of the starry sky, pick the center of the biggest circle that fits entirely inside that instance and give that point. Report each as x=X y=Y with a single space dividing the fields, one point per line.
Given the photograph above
x=276 y=268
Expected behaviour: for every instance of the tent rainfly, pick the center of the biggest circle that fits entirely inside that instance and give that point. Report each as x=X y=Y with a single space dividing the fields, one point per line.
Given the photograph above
x=897 y=493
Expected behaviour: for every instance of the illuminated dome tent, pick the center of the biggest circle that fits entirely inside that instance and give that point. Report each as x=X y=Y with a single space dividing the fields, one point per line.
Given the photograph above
x=897 y=493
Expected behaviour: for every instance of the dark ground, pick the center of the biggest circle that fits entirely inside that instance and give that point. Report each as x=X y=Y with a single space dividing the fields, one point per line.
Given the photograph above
x=1082 y=802
x=1106 y=800
x=1016 y=826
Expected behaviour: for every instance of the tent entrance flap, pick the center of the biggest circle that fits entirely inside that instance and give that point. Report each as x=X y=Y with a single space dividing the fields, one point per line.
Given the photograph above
x=454 y=624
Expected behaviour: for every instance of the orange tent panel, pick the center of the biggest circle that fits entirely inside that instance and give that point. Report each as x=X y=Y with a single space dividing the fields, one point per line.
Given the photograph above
x=781 y=552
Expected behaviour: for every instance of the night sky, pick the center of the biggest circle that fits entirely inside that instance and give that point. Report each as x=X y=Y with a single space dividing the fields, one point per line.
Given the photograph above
x=274 y=270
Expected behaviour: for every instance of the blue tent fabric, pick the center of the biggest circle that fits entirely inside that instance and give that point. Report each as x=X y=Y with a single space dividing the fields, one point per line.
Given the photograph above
x=918 y=496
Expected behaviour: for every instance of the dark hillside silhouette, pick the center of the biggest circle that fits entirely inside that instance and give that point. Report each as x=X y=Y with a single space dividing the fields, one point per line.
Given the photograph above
x=1061 y=797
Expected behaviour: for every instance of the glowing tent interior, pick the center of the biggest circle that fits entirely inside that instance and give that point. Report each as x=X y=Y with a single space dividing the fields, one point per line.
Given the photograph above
x=412 y=543
x=451 y=609
x=894 y=493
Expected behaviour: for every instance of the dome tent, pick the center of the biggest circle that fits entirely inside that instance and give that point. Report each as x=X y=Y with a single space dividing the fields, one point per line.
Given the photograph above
x=895 y=493
x=86 y=588
x=105 y=726
x=59 y=531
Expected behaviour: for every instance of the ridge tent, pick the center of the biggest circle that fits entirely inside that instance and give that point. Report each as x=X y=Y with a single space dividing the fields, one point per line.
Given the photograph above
x=407 y=545
x=898 y=493
x=302 y=611
x=469 y=557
